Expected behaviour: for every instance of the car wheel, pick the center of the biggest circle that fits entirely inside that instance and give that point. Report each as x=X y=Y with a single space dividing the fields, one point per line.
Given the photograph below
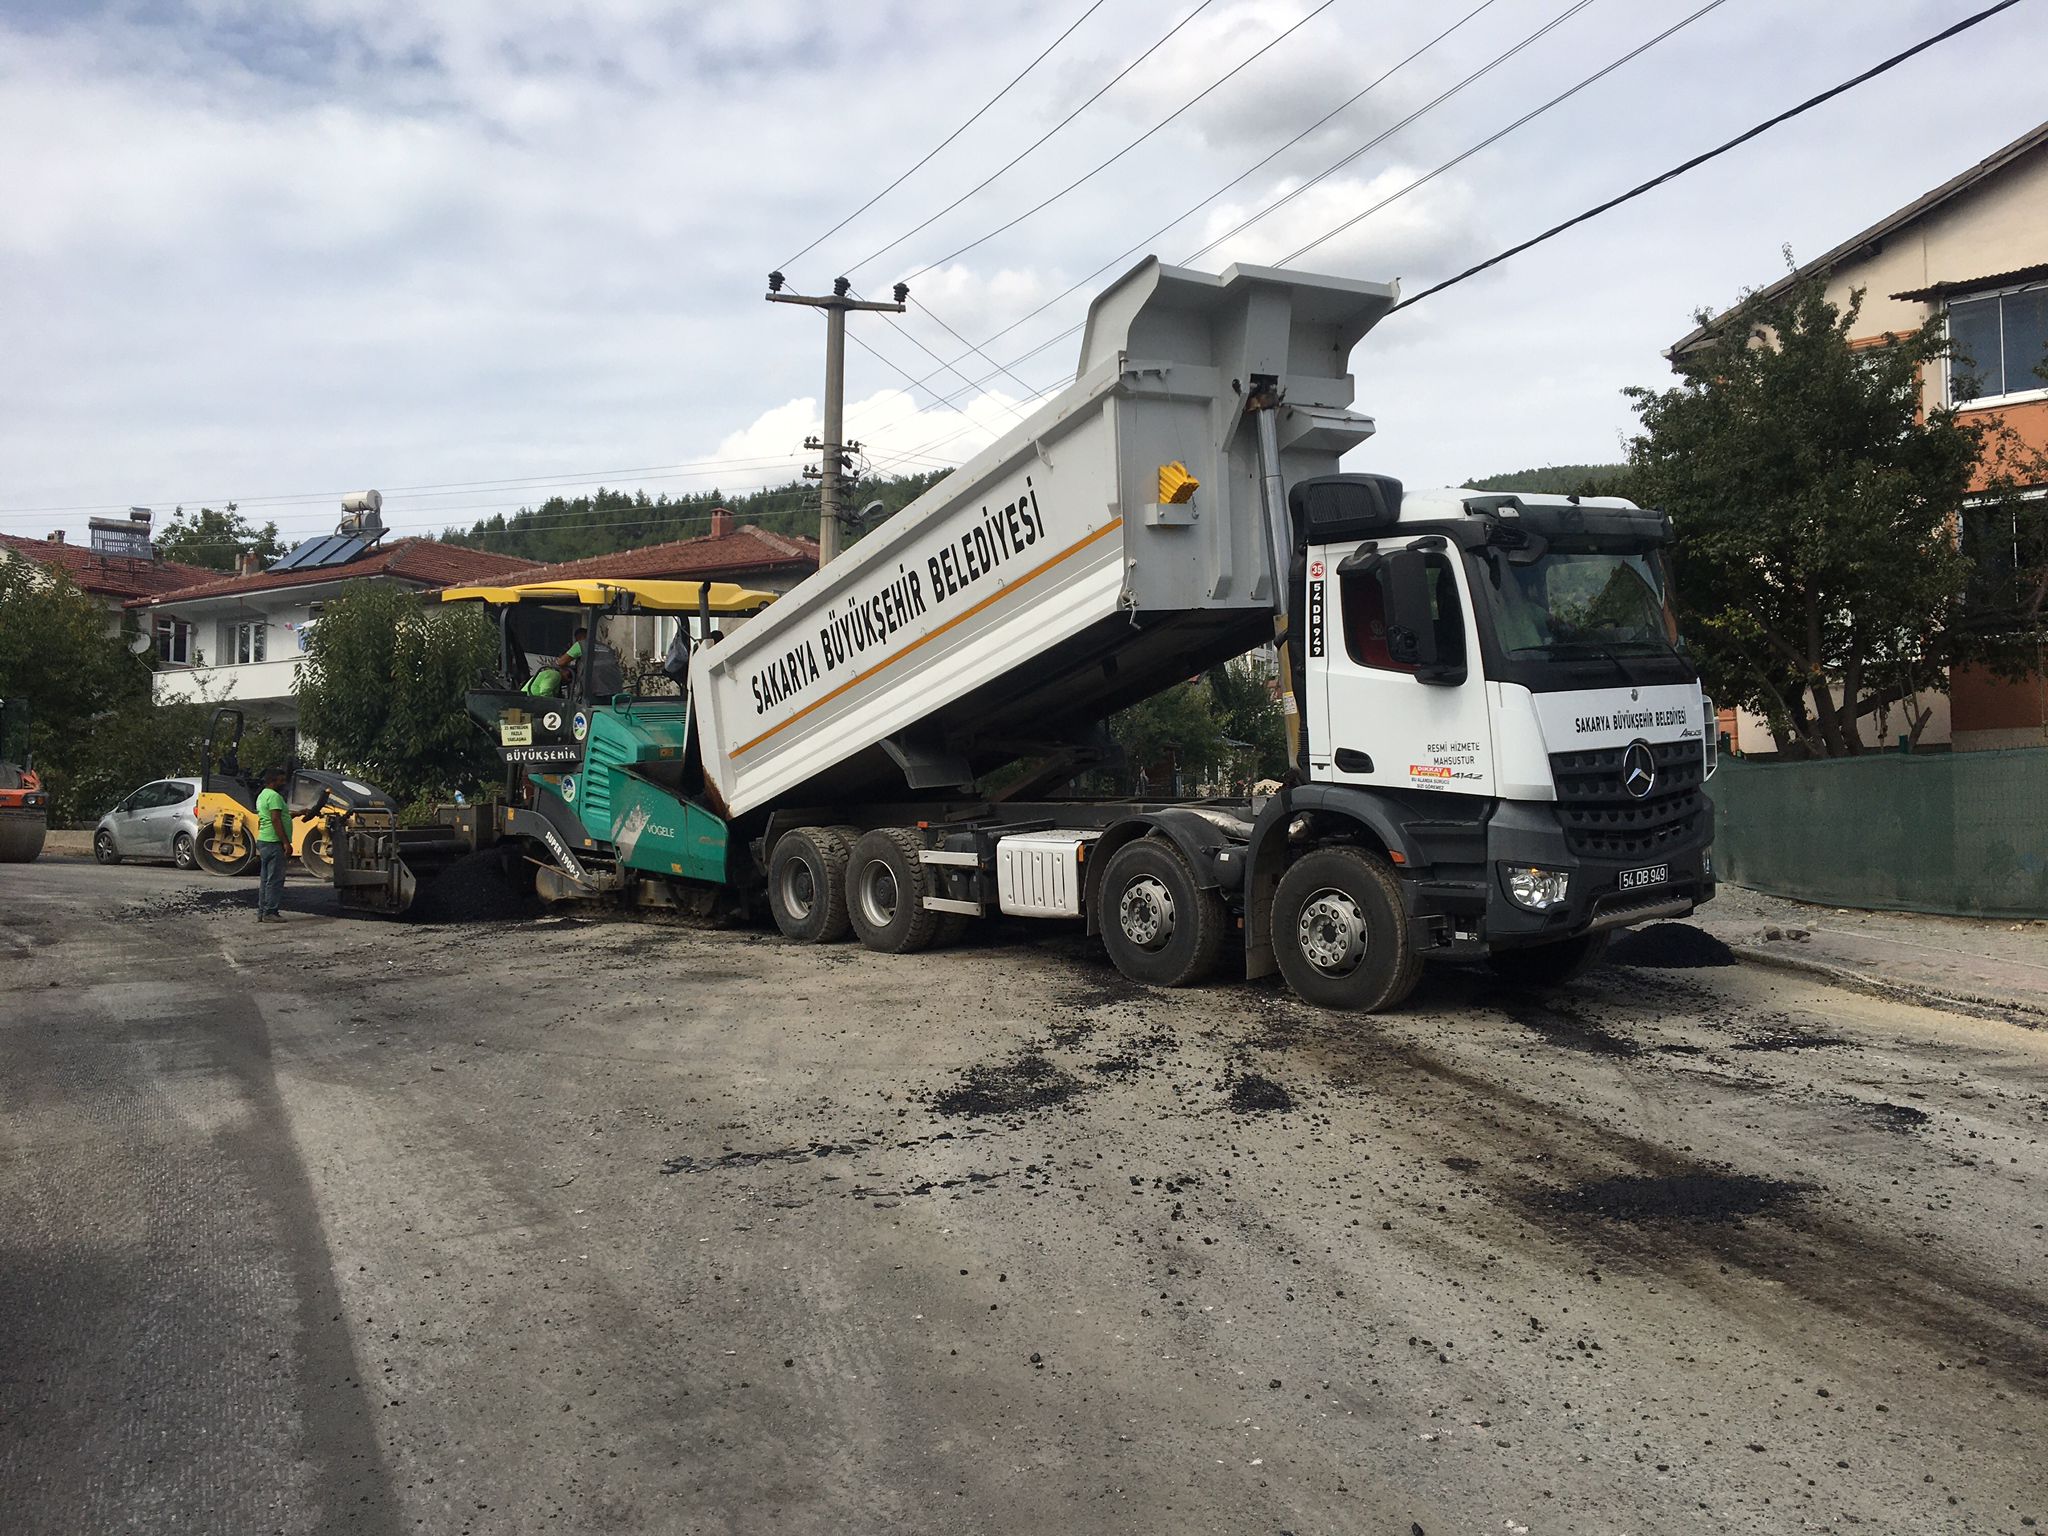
x=1159 y=927
x=807 y=885
x=1550 y=965
x=103 y=847
x=1339 y=933
x=885 y=891
x=183 y=853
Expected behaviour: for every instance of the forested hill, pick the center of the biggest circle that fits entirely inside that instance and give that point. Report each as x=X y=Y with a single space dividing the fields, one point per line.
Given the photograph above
x=570 y=528
x=1557 y=480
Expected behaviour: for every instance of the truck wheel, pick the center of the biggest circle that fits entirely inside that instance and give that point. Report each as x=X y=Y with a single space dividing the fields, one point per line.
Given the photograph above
x=1159 y=927
x=1550 y=965
x=807 y=885
x=1339 y=933
x=885 y=891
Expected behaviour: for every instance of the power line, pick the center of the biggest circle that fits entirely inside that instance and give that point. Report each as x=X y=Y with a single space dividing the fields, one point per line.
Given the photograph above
x=1249 y=170
x=1038 y=208
x=949 y=138
x=1380 y=138
x=1487 y=68
x=1034 y=144
x=1494 y=138
x=1698 y=160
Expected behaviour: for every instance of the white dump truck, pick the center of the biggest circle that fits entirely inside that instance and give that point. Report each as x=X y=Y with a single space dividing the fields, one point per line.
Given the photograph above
x=1498 y=747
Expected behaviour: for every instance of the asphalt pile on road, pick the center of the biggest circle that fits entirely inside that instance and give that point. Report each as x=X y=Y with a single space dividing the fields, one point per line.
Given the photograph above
x=478 y=889
x=1701 y=1196
x=1026 y=1082
x=1669 y=947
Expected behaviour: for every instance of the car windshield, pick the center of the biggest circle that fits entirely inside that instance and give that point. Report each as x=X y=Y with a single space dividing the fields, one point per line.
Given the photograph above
x=1582 y=601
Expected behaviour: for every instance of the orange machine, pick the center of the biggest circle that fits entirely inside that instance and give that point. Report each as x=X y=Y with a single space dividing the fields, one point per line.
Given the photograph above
x=24 y=808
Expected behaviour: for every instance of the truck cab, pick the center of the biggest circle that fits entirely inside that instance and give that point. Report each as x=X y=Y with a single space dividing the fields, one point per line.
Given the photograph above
x=1495 y=685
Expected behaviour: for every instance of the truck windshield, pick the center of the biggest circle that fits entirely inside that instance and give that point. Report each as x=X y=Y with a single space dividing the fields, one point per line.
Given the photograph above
x=1565 y=603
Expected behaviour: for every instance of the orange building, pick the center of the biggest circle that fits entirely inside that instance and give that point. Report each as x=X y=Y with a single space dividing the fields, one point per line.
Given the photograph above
x=1974 y=250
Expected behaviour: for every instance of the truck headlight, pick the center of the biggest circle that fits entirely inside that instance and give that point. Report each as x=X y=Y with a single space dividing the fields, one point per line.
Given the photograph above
x=1538 y=889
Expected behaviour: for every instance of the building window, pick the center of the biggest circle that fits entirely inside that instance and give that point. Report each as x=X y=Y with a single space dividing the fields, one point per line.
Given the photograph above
x=247 y=641
x=174 y=642
x=2007 y=542
x=2000 y=340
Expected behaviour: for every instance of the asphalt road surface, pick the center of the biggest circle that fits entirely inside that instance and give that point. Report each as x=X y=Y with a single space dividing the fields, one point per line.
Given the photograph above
x=346 y=1225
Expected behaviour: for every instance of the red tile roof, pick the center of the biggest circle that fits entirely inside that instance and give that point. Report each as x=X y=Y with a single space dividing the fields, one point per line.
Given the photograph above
x=122 y=576
x=746 y=548
x=424 y=562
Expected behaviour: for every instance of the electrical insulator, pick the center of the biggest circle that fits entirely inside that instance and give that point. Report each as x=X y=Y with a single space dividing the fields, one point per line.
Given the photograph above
x=902 y=292
x=775 y=282
x=840 y=285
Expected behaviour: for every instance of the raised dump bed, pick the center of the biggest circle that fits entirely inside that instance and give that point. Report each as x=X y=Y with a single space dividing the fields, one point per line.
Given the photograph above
x=1112 y=544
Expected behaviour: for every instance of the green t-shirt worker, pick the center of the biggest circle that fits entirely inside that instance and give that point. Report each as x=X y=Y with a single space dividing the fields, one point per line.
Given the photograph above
x=273 y=846
x=549 y=680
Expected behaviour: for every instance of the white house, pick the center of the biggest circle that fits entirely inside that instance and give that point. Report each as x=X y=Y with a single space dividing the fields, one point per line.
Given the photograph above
x=238 y=639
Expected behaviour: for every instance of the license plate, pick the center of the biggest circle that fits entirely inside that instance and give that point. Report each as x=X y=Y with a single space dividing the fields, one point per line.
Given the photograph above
x=1640 y=879
x=515 y=735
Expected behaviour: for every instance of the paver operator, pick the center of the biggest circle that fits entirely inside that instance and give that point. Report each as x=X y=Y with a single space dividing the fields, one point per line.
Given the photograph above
x=551 y=678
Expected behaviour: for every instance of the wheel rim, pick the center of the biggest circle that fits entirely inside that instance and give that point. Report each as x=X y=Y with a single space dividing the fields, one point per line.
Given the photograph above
x=225 y=843
x=181 y=852
x=1331 y=932
x=317 y=852
x=878 y=896
x=799 y=888
x=103 y=847
x=1145 y=913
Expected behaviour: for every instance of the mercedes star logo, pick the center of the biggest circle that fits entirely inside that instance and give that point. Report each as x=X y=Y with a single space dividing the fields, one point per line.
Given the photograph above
x=1638 y=770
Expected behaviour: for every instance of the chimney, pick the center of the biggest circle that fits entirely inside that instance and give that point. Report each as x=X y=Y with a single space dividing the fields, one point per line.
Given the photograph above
x=248 y=563
x=56 y=536
x=721 y=522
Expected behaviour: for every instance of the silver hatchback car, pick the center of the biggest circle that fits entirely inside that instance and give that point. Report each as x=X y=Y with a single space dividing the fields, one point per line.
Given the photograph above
x=156 y=822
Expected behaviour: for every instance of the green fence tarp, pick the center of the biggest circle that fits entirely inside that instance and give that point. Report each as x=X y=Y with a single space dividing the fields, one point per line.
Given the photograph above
x=1962 y=833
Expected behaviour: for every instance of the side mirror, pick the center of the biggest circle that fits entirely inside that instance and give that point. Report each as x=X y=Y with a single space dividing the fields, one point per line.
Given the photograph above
x=1411 y=621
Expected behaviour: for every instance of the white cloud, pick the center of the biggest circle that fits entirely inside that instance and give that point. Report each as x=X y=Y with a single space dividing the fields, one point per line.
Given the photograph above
x=253 y=248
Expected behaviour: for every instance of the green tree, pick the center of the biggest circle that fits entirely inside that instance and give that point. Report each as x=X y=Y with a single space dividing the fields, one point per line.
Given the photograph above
x=1815 y=508
x=1173 y=731
x=380 y=692
x=62 y=652
x=573 y=527
x=1245 y=705
x=215 y=539
x=1557 y=480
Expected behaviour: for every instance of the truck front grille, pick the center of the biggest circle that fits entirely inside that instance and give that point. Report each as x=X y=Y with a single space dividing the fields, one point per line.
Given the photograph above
x=1602 y=821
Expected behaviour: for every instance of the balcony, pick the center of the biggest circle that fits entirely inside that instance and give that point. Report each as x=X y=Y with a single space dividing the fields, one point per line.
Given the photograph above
x=256 y=682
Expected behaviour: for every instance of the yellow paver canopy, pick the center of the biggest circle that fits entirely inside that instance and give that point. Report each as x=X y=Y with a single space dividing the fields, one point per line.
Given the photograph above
x=647 y=596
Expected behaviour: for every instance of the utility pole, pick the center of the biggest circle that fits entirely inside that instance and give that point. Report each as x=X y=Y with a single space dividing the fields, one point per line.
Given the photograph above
x=831 y=485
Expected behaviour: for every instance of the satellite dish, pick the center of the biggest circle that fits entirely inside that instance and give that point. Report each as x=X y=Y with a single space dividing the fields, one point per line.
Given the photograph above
x=141 y=641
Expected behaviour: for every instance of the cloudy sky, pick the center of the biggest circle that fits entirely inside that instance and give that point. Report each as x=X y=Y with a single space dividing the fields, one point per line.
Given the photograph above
x=272 y=251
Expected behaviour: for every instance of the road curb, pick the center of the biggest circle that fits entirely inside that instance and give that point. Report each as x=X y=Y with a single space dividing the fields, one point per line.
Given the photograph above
x=2002 y=1009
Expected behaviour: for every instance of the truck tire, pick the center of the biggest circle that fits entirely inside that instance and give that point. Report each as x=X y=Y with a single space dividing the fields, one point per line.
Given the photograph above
x=885 y=891
x=1340 y=935
x=1550 y=965
x=1159 y=926
x=807 y=885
